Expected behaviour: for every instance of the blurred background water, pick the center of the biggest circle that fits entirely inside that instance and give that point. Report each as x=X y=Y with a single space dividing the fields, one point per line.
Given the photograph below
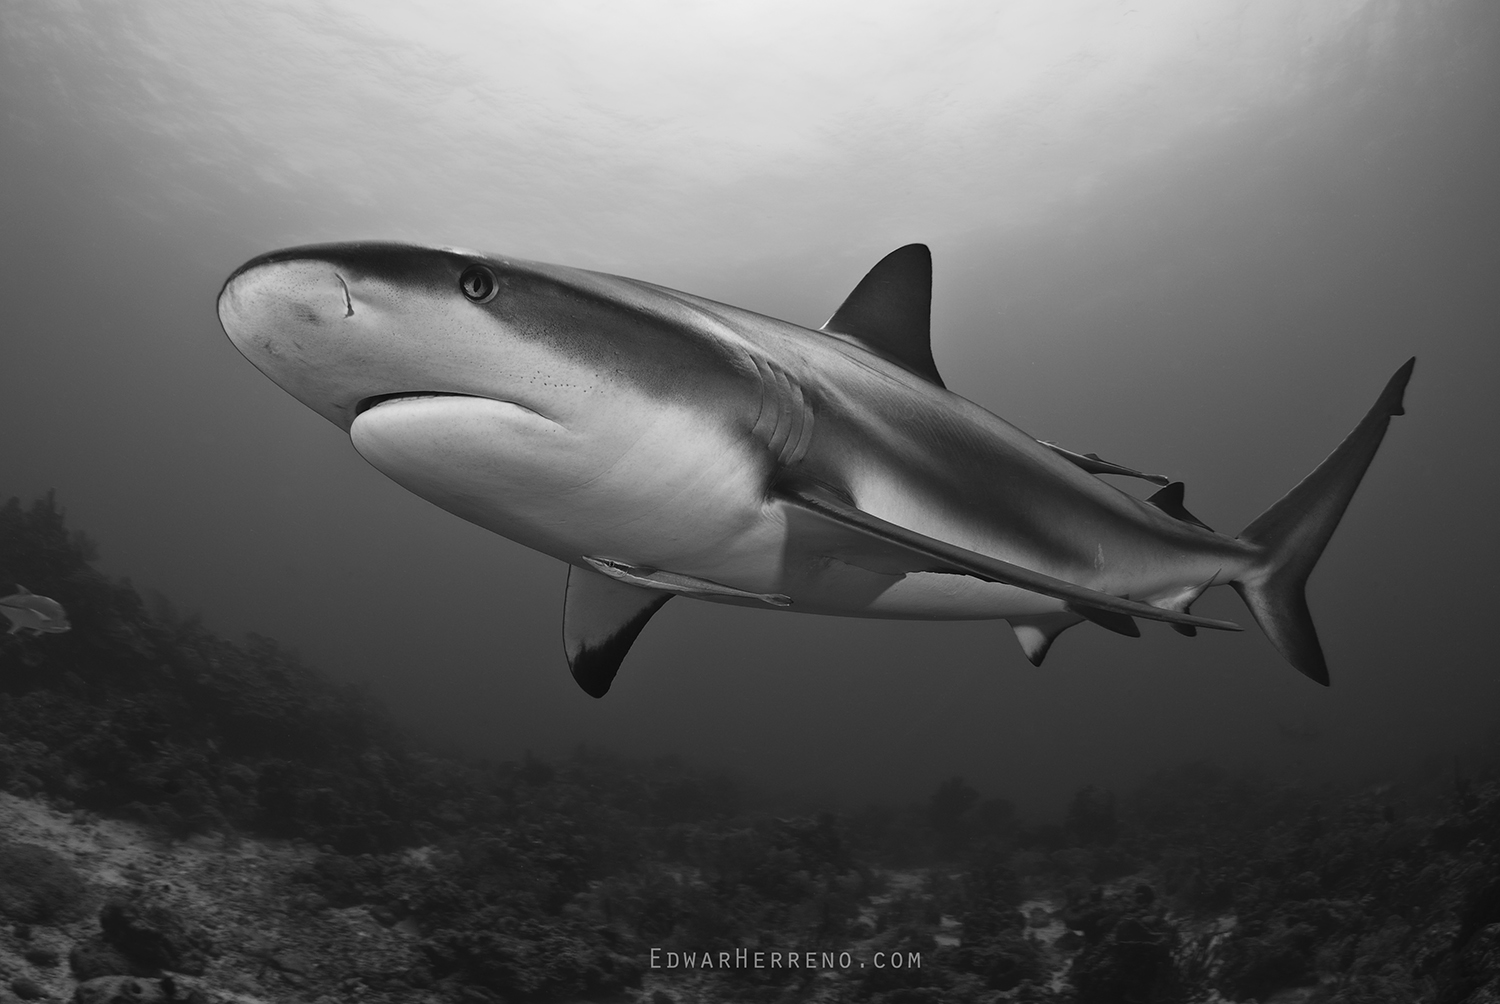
x=1194 y=237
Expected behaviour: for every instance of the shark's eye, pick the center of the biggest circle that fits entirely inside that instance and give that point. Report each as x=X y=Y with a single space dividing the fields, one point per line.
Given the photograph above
x=478 y=283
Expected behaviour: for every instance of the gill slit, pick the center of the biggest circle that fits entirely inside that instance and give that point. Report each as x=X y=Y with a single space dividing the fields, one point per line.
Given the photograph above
x=784 y=423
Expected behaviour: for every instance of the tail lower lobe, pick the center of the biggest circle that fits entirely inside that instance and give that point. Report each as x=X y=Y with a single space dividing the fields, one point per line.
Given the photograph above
x=1294 y=531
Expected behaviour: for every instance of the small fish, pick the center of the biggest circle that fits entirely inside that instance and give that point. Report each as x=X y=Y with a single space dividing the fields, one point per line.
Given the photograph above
x=38 y=614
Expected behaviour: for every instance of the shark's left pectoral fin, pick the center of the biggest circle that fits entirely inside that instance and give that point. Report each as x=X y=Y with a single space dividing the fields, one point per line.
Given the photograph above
x=602 y=618
x=928 y=554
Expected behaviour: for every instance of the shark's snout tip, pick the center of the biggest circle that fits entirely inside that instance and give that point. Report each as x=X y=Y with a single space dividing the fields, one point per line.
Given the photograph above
x=282 y=292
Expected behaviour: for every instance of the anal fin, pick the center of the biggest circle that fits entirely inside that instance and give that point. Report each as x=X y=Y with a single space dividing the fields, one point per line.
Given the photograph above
x=1036 y=634
x=602 y=617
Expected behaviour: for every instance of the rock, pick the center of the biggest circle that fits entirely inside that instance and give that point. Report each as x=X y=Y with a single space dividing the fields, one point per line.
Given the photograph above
x=284 y=961
x=152 y=936
x=37 y=885
x=96 y=957
x=134 y=990
x=1487 y=994
x=119 y=990
x=477 y=995
x=39 y=956
x=26 y=988
x=183 y=991
x=1132 y=959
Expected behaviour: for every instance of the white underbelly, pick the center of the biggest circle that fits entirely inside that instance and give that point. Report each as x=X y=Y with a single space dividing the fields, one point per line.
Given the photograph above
x=660 y=490
x=844 y=590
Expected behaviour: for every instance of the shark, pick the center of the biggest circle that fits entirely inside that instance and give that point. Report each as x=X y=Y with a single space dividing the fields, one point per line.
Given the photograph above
x=663 y=444
x=27 y=611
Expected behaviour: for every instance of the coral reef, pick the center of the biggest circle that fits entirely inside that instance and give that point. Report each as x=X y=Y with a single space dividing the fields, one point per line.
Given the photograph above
x=37 y=885
x=193 y=819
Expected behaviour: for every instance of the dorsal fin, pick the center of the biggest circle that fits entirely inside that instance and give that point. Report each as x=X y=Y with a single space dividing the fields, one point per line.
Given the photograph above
x=601 y=619
x=1169 y=501
x=890 y=311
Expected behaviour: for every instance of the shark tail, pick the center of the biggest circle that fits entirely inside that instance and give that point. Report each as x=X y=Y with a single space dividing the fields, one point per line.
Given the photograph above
x=1294 y=531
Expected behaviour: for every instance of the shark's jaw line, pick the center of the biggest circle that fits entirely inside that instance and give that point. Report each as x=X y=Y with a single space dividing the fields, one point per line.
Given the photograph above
x=376 y=400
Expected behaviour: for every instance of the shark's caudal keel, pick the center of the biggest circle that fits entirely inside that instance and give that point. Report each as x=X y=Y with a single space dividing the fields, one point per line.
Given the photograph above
x=667 y=445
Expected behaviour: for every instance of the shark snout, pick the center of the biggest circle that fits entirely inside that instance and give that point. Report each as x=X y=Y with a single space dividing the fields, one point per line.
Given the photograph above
x=298 y=321
x=341 y=325
x=267 y=309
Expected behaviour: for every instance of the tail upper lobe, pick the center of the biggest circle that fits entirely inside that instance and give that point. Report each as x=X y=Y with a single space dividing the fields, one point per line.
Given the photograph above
x=1294 y=531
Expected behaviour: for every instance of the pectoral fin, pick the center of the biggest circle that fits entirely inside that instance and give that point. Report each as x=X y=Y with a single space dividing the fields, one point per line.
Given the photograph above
x=927 y=554
x=602 y=617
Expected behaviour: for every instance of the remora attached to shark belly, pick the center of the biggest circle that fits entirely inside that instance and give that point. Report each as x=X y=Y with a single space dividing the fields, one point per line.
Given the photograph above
x=663 y=444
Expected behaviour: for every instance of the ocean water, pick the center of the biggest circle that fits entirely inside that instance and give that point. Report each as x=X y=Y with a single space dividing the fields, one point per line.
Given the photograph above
x=1193 y=238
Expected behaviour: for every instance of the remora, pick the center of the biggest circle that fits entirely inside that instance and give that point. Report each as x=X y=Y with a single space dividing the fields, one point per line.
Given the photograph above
x=661 y=443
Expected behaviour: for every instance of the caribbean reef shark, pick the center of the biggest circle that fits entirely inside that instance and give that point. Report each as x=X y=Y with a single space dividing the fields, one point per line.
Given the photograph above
x=663 y=444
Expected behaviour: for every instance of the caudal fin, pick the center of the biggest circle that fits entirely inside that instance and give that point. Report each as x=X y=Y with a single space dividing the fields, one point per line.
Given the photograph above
x=1295 y=530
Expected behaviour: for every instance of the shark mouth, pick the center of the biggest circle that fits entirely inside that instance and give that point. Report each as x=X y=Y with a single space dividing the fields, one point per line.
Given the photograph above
x=377 y=400
x=406 y=395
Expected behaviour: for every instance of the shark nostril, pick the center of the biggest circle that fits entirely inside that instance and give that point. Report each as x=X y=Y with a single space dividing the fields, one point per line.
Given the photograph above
x=348 y=303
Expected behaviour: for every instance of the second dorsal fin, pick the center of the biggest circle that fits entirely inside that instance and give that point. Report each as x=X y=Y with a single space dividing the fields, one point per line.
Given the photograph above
x=890 y=311
x=1169 y=501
